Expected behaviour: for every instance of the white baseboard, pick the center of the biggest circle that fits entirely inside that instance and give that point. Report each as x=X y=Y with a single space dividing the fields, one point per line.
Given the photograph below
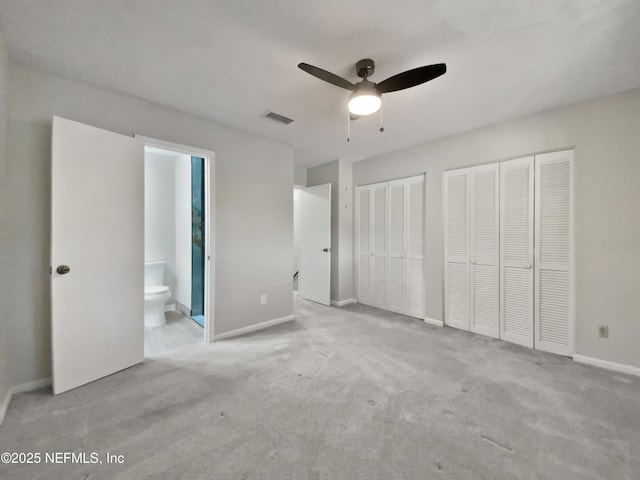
x=431 y=321
x=22 y=388
x=182 y=309
x=5 y=406
x=617 y=367
x=29 y=386
x=254 y=328
x=342 y=303
x=169 y=307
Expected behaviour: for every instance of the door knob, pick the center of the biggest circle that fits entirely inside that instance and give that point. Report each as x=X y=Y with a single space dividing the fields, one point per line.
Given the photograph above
x=63 y=269
x=325 y=250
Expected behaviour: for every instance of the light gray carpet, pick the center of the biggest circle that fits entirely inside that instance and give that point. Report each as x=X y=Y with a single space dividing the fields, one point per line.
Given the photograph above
x=351 y=393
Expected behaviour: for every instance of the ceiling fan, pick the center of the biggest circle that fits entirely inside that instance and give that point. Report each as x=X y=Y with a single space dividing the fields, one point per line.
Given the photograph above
x=365 y=96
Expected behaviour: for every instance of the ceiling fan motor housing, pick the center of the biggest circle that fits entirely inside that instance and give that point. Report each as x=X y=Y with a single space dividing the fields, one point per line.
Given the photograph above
x=365 y=68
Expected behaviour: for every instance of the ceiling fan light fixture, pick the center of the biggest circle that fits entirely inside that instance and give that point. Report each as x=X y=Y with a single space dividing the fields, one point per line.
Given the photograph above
x=364 y=101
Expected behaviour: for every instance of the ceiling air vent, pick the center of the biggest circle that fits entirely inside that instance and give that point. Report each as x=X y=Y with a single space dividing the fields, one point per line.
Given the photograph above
x=277 y=117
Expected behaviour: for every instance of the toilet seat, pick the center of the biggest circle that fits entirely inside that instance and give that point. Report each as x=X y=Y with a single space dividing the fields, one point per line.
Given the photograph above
x=155 y=290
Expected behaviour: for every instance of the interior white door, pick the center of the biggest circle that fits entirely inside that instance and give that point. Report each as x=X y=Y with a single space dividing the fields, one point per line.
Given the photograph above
x=516 y=247
x=554 y=305
x=363 y=240
x=456 y=219
x=97 y=231
x=484 y=242
x=315 y=244
x=415 y=224
x=379 y=245
x=396 y=260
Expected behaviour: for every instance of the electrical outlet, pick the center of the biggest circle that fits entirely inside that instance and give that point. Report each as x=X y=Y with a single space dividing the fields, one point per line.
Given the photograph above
x=603 y=331
x=263 y=299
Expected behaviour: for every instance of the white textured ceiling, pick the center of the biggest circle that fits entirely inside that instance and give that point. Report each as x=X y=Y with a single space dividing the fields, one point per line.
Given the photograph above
x=232 y=60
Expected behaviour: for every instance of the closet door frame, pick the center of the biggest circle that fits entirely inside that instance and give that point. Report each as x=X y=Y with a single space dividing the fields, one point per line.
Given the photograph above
x=460 y=259
x=404 y=255
x=528 y=340
x=474 y=260
x=568 y=350
x=372 y=300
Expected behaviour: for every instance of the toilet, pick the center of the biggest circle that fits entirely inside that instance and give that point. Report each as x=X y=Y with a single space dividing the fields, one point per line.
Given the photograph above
x=155 y=294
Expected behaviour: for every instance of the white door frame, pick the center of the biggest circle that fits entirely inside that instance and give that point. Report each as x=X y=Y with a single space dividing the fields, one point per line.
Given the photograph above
x=209 y=219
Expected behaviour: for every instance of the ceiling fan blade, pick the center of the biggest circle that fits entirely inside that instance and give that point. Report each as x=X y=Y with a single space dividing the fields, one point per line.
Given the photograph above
x=411 y=78
x=329 y=77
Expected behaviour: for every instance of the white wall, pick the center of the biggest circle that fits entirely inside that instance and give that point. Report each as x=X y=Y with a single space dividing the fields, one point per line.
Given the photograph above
x=182 y=202
x=253 y=214
x=605 y=133
x=345 y=224
x=300 y=176
x=159 y=215
x=4 y=238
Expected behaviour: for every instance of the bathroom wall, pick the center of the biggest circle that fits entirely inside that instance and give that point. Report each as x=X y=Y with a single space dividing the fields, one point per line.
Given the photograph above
x=252 y=193
x=160 y=214
x=182 y=236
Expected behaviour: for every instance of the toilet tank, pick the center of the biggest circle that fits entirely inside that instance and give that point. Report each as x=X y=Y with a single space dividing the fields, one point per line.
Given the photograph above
x=154 y=273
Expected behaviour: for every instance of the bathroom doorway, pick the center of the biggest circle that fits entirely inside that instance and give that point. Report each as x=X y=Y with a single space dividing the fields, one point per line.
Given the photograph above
x=178 y=246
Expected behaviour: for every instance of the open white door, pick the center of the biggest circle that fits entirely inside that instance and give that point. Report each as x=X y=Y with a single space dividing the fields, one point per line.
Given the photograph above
x=315 y=244
x=97 y=253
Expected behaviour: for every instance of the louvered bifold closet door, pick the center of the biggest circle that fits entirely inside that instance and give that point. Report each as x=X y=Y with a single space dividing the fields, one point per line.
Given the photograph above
x=554 y=312
x=484 y=246
x=415 y=214
x=396 y=262
x=378 y=255
x=456 y=219
x=364 y=245
x=516 y=247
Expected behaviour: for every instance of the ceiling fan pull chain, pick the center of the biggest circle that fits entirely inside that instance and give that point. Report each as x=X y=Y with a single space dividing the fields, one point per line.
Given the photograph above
x=381 y=127
x=348 y=127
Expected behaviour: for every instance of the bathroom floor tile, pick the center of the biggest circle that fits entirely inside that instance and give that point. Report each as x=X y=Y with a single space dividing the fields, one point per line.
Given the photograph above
x=179 y=331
